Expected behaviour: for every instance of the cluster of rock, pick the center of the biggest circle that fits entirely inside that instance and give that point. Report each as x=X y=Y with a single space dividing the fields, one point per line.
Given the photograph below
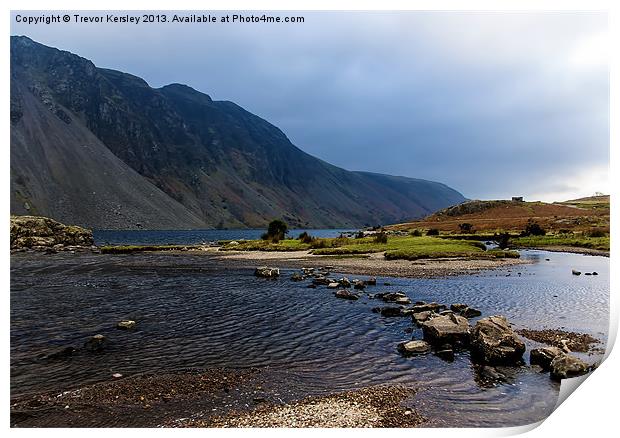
x=576 y=272
x=491 y=341
x=45 y=234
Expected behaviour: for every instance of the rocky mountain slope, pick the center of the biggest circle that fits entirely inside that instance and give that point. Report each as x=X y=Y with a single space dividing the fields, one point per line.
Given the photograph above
x=103 y=149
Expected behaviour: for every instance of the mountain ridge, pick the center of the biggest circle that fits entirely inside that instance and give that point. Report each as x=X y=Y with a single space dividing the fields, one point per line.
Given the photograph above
x=221 y=165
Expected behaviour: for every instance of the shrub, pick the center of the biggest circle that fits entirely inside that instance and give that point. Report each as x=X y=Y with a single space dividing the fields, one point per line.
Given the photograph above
x=381 y=237
x=306 y=238
x=533 y=229
x=503 y=239
x=432 y=232
x=597 y=232
x=416 y=233
x=359 y=235
x=466 y=227
x=276 y=231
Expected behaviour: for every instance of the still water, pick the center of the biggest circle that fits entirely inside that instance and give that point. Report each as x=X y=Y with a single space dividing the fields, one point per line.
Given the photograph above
x=191 y=312
x=195 y=237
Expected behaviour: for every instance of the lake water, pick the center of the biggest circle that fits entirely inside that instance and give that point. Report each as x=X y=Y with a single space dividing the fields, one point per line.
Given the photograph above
x=194 y=311
x=194 y=237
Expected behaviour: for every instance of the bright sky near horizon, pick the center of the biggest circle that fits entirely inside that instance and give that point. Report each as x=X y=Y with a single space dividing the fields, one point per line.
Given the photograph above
x=493 y=104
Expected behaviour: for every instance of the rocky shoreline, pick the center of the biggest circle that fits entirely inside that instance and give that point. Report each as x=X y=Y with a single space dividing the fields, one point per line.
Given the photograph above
x=373 y=264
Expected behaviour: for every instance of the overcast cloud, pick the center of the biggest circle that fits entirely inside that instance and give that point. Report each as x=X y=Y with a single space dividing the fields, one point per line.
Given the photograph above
x=493 y=104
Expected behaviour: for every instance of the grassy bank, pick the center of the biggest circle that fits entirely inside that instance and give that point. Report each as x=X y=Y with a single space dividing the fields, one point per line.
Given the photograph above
x=408 y=248
x=576 y=241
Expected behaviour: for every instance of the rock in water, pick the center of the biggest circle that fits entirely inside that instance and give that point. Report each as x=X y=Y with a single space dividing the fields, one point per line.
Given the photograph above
x=345 y=294
x=544 y=356
x=470 y=312
x=267 y=272
x=391 y=312
x=96 y=343
x=565 y=366
x=421 y=317
x=446 y=352
x=38 y=231
x=435 y=307
x=458 y=307
x=414 y=347
x=126 y=324
x=333 y=285
x=372 y=281
x=297 y=277
x=494 y=342
x=576 y=272
x=446 y=329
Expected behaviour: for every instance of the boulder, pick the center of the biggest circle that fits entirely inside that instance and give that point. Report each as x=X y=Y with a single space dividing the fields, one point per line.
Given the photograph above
x=126 y=324
x=307 y=271
x=267 y=272
x=394 y=297
x=359 y=284
x=414 y=347
x=333 y=285
x=458 y=307
x=61 y=353
x=544 y=356
x=297 y=276
x=446 y=329
x=96 y=343
x=566 y=365
x=372 y=281
x=576 y=272
x=321 y=280
x=42 y=233
x=435 y=307
x=392 y=312
x=344 y=282
x=345 y=294
x=470 y=312
x=494 y=341
x=421 y=317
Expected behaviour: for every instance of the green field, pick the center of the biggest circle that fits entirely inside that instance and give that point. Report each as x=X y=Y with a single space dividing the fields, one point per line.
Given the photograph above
x=409 y=248
x=599 y=243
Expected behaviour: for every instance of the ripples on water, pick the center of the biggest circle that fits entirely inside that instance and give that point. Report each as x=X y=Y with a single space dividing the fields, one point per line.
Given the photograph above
x=193 y=313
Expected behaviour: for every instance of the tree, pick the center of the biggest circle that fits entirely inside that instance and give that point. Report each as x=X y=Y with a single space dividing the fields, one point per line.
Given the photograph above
x=533 y=229
x=466 y=227
x=276 y=231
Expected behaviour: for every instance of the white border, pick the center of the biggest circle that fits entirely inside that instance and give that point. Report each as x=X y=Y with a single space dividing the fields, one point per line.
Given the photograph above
x=591 y=411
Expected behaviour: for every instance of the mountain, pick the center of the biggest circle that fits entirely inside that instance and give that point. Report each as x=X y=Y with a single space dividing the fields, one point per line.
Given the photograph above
x=101 y=148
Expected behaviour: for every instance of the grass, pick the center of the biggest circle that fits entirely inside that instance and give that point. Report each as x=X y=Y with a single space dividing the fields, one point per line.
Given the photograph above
x=600 y=243
x=408 y=248
x=413 y=248
x=266 y=245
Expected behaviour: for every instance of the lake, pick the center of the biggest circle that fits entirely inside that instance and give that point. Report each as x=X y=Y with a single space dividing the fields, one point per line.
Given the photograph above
x=195 y=311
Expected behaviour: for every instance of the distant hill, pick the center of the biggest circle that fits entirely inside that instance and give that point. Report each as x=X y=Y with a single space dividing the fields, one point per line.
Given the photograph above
x=103 y=149
x=496 y=215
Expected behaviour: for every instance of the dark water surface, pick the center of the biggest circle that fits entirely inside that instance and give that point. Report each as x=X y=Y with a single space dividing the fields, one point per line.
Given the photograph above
x=193 y=237
x=191 y=312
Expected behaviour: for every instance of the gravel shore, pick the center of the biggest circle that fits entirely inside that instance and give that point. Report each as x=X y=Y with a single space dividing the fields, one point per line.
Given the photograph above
x=373 y=264
x=378 y=406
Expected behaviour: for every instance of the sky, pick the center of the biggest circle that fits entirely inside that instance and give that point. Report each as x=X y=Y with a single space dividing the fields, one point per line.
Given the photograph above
x=493 y=104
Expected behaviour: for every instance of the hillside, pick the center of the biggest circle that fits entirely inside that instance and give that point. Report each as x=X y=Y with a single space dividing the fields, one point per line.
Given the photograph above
x=503 y=215
x=103 y=149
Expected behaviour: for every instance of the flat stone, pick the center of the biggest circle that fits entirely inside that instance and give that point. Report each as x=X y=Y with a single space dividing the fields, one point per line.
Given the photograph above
x=446 y=329
x=126 y=324
x=494 y=342
x=345 y=294
x=414 y=347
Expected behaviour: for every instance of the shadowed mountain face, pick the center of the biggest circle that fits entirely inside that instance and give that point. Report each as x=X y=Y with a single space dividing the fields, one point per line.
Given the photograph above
x=103 y=149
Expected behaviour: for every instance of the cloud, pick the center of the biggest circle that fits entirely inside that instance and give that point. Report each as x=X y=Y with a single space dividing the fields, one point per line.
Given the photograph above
x=494 y=104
